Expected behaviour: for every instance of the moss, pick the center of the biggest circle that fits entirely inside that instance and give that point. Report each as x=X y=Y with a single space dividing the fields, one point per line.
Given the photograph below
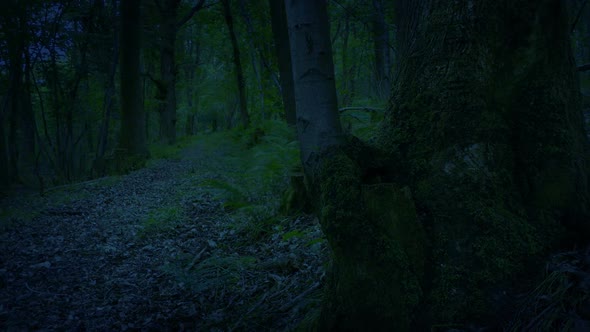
x=483 y=239
x=376 y=242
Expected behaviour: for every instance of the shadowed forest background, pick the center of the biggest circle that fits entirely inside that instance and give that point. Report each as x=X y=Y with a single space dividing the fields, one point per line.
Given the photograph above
x=295 y=165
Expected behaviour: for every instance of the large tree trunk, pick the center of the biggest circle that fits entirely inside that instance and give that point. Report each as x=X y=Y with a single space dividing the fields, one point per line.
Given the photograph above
x=132 y=143
x=487 y=114
x=241 y=82
x=280 y=35
x=371 y=229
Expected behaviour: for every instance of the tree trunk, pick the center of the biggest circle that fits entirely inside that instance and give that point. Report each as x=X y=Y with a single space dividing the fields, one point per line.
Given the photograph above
x=348 y=66
x=370 y=286
x=15 y=43
x=194 y=54
x=380 y=49
x=167 y=109
x=133 y=139
x=237 y=64
x=486 y=117
x=27 y=115
x=4 y=161
x=280 y=35
x=109 y=95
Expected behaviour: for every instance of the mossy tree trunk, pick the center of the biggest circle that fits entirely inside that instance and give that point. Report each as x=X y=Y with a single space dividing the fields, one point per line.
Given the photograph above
x=372 y=285
x=486 y=114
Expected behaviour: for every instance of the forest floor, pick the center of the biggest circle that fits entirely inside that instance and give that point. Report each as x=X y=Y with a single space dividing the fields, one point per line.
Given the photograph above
x=157 y=249
x=196 y=242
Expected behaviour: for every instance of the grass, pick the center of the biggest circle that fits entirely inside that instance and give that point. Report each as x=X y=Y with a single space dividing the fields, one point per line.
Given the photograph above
x=160 y=150
x=161 y=220
x=254 y=175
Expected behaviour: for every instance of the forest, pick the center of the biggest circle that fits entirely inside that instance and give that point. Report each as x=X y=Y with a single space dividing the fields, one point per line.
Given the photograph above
x=295 y=165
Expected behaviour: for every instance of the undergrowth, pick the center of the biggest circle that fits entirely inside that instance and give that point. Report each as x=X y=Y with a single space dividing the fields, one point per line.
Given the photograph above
x=160 y=150
x=259 y=162
x=162 y=220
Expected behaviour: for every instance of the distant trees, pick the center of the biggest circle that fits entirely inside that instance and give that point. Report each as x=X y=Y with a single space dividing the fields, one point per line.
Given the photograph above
x=169 y=25
x=61 y=104
x=18 y=141
x=280 y=35
x=239 y=73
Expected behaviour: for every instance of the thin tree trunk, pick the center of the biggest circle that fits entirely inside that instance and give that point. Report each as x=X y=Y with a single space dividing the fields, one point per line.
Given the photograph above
x=28 y=116
x=241 y=82
x=380 y=39
x=15 y=52
x=4 y=162
x=281 y=39
x=347 y=69
x=109 y=94
x=169 y=13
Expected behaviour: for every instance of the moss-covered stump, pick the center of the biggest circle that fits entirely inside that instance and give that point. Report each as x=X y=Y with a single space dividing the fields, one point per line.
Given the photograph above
x=377 y=243
x=295 y=199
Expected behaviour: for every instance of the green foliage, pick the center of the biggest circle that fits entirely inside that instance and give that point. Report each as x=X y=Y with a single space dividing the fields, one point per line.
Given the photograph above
x=292 y=234
x=160 y=150
x=10 y=217
x=259 y=174
x=161 y=220
x=211 y=273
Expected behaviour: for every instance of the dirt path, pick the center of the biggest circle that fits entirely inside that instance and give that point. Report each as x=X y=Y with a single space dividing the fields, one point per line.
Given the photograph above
x=153 y=250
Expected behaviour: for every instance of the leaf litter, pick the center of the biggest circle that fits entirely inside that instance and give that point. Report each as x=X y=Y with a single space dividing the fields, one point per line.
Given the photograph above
x=153 y=251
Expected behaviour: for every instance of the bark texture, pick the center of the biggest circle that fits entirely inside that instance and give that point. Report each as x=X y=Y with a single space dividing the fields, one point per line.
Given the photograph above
x=486 y=113
x=167 y=108
x=280 y=35
x=244 y=116
x=372 y=285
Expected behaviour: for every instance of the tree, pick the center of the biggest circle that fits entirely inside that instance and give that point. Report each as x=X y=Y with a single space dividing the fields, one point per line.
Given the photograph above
x=244 y=116
x=487 y=122
x=380 y=48
x=370 y=285
x=280 y=35
x=169 y=26
x=133 y=135
x=481 y=166
x=109 y=88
